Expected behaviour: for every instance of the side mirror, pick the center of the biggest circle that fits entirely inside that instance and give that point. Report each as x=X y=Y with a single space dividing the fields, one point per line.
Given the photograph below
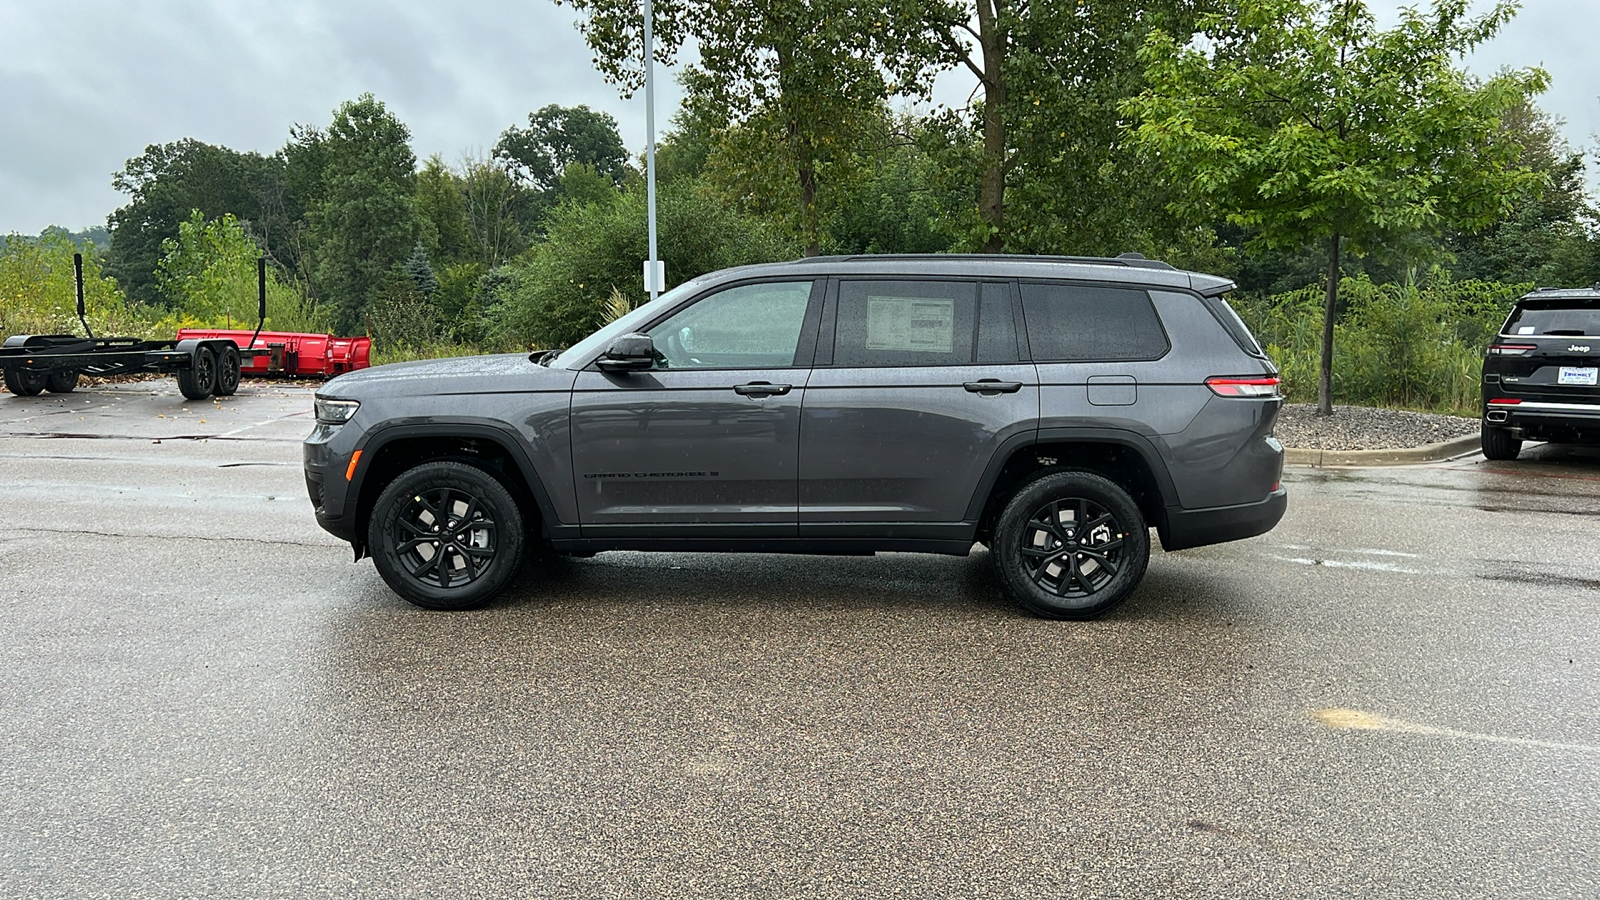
x=628 y=353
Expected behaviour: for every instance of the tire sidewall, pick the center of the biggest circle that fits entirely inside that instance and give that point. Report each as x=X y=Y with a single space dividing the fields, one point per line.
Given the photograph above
x=510 y=535
x=1062 y=485
x=227 y=378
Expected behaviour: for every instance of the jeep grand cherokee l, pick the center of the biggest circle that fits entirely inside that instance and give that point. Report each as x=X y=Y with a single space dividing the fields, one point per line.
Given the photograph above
x=1052 y=408
x=1539 y=374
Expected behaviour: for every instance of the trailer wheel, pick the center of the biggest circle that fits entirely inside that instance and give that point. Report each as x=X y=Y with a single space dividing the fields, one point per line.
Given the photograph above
x=446 y=535
x=200 y=379
x=25 y=383
x=227 y=371
x=62 y=381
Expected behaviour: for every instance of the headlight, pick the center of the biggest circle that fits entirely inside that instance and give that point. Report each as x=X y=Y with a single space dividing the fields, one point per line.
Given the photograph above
x=335 y=412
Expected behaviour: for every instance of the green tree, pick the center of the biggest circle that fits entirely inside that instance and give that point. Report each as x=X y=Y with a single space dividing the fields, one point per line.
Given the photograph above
x=558 y=136
x=501 y=214
x=363 y=220
x=38 y=293
x=168 y=181
x=442 y=206
x=796 y=80
x=558 y=291
x=209 y=271
x=420 y=271
x=1545 y=237
x=1302 y=122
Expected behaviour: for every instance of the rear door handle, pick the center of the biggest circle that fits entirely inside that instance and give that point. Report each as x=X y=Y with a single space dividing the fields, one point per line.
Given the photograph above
x=760 y=389
x=991 y=386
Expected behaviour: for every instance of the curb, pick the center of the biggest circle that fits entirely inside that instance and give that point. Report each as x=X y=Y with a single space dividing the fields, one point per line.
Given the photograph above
x=1296 y=456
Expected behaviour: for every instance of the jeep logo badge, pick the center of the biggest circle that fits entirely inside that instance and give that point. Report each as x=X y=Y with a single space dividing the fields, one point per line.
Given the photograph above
x=1578 y=348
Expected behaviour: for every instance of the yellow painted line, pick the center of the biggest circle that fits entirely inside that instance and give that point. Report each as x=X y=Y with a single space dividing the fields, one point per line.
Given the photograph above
x=1356 y=720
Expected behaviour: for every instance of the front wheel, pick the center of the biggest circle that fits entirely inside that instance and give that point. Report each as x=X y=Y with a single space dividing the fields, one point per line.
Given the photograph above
x=1498 y=443
x=1070 y=545
x=446 y=535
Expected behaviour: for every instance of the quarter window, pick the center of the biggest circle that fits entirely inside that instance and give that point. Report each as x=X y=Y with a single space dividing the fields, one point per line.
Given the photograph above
x=1069 y=322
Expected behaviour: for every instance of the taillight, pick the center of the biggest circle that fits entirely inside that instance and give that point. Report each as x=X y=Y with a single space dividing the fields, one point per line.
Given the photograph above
x=1511 y=349
x=1260 y=386
x=1503 y=401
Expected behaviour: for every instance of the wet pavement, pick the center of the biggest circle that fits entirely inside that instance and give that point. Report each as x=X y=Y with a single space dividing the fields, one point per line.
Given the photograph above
x=1396 y=693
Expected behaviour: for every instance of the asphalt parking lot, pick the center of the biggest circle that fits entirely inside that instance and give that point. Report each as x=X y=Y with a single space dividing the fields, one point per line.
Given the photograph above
x=1396 y=693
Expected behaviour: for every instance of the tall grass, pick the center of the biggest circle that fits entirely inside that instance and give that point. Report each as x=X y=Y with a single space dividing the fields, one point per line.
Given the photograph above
x=1411 y=346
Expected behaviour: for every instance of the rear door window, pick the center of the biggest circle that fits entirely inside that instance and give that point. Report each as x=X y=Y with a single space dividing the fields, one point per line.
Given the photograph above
x=1075 y=322
x=906 y=323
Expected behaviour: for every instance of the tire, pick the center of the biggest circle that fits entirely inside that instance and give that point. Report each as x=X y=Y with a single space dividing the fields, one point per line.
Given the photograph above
x=62 y=381
x=227 y=372
x=1498 y=443
x=483 y=540
x=200 y=379
x=24 y=383
x=1046 y=563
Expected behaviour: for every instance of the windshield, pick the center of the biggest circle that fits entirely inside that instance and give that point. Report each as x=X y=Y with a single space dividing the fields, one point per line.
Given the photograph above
x=631 y=322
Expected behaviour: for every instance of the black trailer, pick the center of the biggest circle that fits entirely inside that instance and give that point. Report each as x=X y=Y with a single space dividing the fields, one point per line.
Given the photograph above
x=38 y=362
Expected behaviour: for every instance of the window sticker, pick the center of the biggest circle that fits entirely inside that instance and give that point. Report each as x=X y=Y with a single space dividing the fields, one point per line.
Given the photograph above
x=1525 y=330
x=925 y=324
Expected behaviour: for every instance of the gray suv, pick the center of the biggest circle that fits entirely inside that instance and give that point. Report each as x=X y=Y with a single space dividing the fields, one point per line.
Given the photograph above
x=1052 y=408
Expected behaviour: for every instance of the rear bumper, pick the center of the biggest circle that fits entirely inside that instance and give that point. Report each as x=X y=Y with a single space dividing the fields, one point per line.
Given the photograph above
x=1546 y=420
x=1198 y=527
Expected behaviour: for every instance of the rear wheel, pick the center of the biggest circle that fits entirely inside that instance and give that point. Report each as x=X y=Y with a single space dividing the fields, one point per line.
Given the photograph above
x=1498 y=443
x=25 y=383
x=446 y=535
x=200 y=379
x=1071 y=545
x=227 y=372
x=62 y=381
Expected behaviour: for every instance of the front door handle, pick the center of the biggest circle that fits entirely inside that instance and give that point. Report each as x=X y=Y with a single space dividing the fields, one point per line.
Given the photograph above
x=991 y=386
x=760 y=389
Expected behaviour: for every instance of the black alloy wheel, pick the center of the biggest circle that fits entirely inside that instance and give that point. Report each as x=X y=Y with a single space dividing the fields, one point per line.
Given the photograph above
x=62 y=381
x=446 y=535
x=25 y=382
x=1071 y=545
x=227 y=372
x=200 y=379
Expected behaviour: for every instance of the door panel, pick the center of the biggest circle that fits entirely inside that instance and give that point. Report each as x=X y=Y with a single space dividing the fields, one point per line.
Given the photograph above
x=687 y=447
x=905 y=445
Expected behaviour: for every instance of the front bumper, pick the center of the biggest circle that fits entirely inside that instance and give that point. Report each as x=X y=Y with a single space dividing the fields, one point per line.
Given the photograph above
x=326 y=460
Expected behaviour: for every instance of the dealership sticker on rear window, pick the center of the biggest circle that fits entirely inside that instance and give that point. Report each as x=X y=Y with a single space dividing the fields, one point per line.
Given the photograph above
x=1571 y=375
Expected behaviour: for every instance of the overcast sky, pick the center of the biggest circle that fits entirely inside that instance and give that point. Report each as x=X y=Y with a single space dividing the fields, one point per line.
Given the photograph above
x=86 y=84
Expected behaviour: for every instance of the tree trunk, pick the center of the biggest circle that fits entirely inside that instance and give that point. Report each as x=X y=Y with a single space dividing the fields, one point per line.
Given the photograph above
x=1329 y=304
x=992 y=188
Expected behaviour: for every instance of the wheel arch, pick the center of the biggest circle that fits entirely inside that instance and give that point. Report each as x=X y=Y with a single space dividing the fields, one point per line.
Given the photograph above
x=393 y=450
x=1125 y=458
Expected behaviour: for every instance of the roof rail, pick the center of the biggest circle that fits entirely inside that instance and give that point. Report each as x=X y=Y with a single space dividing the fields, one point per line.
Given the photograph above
x=1129 y=260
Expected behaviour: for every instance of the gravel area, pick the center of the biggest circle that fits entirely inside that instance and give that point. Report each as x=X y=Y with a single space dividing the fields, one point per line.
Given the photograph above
x=1366 y=428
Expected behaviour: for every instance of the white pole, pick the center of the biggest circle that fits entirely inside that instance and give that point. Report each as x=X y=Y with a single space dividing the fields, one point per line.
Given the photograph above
x=652 y=271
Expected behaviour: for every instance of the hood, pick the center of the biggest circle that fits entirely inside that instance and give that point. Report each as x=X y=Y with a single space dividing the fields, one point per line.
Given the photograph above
x=501 y=373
